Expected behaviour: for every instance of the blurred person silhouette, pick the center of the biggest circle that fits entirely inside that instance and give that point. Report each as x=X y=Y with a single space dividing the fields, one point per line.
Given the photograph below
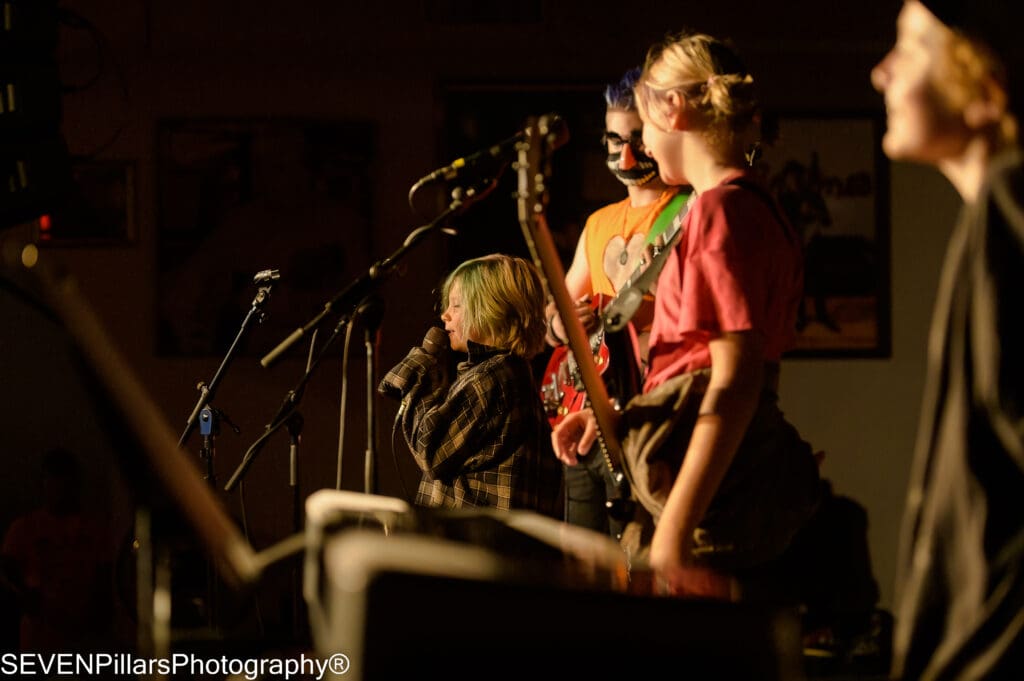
x=952 y=87
x=57 y=559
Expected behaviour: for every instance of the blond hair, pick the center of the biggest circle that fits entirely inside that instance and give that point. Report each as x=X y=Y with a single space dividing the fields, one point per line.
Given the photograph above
x=715 y=83
x=503 y=303
x=965 y=65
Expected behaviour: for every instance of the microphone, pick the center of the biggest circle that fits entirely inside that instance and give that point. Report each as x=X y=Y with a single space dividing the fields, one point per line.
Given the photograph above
x=435 y=341
x=551 y=125
x=486 y=158
x=555 y=129
x=266 y=275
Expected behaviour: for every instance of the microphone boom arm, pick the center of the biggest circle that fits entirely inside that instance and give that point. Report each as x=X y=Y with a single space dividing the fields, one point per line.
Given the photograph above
x=358 y=290
x=349 y=300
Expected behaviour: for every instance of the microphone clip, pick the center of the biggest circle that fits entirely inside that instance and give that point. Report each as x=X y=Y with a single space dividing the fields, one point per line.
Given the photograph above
x=266 y=276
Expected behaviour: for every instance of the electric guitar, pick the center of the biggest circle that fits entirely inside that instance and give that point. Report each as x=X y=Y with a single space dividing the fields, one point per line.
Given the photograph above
x=562 y=389
x=543 y=135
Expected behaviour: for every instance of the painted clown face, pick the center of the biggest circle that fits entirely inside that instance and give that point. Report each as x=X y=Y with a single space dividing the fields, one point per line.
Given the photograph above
x=627 y=158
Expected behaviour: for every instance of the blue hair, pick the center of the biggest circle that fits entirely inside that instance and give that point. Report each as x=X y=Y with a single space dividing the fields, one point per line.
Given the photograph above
x=620 y=95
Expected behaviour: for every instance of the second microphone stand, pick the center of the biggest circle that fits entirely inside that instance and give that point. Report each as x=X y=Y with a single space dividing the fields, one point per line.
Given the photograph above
x=373 y=315
x=208 y=390
x=208 y=419
x=347 y=301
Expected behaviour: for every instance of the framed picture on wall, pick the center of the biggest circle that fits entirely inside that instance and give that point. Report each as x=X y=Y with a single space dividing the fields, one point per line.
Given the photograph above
x=831 y=179
x=238 y=196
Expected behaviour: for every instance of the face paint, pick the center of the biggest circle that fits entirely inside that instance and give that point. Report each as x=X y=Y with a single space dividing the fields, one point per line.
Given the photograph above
x=623 y=141
x=643 y=170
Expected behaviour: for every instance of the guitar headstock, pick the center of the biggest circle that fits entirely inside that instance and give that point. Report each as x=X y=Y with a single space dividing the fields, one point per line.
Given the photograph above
x=543 y=135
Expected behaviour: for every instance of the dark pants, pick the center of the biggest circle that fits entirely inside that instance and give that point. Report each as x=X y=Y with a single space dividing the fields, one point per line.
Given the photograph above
x=587 y=484
x=587 y=489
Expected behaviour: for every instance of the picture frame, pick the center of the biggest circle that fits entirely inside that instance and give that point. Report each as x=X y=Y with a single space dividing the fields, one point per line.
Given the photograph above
x=829 y=175
x=237 y=196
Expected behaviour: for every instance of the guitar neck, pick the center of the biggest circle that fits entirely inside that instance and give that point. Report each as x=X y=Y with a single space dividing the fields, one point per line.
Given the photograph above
x=532 y=197
x=546 y=258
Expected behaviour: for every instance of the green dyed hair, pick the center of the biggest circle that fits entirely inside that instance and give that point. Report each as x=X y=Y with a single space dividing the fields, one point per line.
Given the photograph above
x=503 y=303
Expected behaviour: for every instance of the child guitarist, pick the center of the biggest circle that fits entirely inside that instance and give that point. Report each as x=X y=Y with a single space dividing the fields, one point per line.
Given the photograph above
x=740 y=482
x=611 y=249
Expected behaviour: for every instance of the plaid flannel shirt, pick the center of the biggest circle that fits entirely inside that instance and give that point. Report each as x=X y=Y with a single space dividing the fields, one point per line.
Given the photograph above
x=477 y=437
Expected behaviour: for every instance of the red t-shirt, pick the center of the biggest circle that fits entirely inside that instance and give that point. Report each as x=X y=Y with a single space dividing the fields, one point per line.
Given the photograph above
x=736 y=268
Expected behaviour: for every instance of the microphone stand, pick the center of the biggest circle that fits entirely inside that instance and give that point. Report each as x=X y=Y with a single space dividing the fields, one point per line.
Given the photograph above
x=351 y=301
x=346 y=299
x=209 y=429
x=207 y=391
x=357 y=291
x=209 y=419
x=285 y=411
x=373 y=315
x=294 y=426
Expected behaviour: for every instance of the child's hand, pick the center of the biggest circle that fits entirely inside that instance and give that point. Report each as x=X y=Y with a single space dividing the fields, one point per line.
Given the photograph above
x=586 y=313
x=574 y=436
x=435 y=341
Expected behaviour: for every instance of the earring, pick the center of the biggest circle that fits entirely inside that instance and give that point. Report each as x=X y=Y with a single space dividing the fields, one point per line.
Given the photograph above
x=753 y=154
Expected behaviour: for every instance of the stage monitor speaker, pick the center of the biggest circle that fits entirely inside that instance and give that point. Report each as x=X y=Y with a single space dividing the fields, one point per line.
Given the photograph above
x=406 y=605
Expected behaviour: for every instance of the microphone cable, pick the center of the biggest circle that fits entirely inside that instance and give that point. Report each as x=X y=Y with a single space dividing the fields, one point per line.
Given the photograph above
x=394 y=454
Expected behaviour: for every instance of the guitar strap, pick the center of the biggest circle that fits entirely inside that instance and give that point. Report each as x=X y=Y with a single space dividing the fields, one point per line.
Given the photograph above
x=665 y=218
x=627 y=302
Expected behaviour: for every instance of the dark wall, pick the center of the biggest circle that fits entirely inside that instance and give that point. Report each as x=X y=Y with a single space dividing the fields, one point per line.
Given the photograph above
x=133 y=66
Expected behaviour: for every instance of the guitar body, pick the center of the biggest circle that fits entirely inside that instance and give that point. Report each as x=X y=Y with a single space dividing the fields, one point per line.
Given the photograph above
x=562 y=390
